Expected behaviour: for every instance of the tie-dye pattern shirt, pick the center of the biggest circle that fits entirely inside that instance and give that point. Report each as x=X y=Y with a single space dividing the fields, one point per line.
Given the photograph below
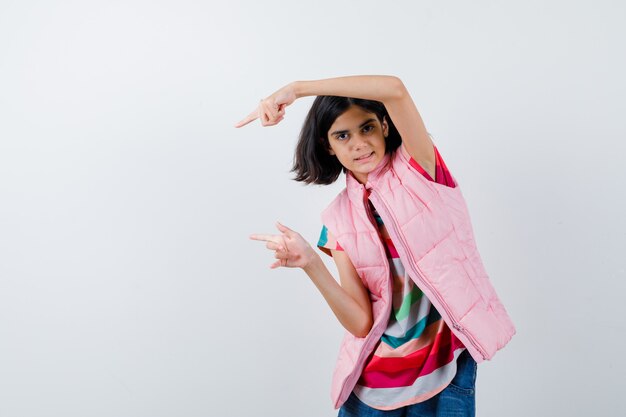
x=415 y=358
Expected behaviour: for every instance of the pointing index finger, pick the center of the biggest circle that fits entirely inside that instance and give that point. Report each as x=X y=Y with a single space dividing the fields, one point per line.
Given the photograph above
x=249 y=118
x=264 y=238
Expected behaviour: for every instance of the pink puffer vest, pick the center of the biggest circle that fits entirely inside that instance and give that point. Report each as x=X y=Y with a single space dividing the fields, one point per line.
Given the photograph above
x=430 y=226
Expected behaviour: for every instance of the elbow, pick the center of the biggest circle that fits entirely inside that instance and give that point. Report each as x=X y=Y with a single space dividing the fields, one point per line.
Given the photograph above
x=397 y=89
x=363 y=329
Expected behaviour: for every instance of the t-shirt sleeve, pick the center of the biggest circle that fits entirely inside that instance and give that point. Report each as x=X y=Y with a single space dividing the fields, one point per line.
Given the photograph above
x=442 y=173
x=327 y=242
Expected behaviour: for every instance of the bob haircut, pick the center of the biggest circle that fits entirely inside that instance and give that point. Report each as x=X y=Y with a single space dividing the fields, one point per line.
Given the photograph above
x=312 y=163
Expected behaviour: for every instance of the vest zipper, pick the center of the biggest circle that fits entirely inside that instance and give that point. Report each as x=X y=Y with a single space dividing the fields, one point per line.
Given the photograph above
x=414 y=268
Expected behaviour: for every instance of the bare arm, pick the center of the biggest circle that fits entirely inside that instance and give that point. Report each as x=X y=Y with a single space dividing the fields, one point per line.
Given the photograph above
x=389 y=90
x=349 y=301
x=369 y=87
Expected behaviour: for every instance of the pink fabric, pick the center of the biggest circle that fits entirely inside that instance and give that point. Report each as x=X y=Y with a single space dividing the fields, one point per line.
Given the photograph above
x=431 y=228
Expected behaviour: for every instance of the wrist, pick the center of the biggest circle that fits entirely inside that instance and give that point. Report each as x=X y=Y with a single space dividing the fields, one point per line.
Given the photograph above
x=312 y=263
x=298 y=89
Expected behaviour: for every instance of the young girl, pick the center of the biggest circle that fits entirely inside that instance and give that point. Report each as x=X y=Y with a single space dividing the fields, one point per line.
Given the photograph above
x=415 y=300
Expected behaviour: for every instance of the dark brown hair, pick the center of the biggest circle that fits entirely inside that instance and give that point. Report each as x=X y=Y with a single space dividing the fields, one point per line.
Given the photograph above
x=312 y=162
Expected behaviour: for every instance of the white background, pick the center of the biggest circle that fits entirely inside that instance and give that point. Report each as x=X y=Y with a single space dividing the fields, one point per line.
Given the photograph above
x=128 y=285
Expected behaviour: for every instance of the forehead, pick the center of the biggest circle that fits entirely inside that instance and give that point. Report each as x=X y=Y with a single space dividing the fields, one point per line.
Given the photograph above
x=351 y=119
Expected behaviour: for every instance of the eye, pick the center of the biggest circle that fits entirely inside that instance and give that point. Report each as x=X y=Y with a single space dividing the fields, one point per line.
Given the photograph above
x=342 y=136
x=368 y=128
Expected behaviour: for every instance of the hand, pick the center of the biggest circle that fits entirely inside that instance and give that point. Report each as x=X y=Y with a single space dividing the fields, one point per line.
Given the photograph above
x=272 y=109
x=290 y=248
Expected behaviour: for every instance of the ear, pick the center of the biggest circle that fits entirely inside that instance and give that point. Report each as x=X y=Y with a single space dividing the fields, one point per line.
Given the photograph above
x=385 y=127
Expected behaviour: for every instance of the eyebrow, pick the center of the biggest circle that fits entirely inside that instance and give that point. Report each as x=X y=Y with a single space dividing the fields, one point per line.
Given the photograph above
x=339 y=132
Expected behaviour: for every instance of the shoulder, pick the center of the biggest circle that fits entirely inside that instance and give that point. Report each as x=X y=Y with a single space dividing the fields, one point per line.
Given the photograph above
x=437 y=172
x=337 y=203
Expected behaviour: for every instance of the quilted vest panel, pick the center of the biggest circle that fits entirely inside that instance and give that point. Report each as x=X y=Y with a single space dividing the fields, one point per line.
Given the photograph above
x=430 y=226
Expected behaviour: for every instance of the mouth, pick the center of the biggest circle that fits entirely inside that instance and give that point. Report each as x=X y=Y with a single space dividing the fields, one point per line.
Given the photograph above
x=364 y=157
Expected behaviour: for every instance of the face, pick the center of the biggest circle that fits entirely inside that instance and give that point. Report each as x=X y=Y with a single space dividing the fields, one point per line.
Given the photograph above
x=357 y=139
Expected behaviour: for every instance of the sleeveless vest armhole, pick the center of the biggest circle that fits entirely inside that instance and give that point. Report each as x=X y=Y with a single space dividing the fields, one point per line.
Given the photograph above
x=442 y=173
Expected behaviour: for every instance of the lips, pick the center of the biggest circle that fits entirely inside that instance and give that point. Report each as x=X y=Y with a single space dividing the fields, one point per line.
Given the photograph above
x=364 y=157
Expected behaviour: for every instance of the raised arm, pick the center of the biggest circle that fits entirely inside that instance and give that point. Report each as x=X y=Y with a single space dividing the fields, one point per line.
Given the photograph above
x=389 y=90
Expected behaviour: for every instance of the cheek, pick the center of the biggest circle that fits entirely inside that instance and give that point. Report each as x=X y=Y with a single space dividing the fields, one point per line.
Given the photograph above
x=343 y=159
x=335 y=150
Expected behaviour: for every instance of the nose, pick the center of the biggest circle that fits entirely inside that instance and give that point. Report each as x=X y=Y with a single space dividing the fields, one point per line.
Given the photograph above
x=358 y=141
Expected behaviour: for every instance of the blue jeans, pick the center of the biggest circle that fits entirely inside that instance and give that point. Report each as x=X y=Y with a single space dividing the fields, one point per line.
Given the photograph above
x=456 y=400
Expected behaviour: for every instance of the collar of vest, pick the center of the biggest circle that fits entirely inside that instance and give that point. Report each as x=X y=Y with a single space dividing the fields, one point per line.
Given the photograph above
x=357 y=191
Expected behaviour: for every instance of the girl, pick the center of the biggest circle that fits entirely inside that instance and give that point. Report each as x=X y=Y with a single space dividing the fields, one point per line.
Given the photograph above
x=415 y=300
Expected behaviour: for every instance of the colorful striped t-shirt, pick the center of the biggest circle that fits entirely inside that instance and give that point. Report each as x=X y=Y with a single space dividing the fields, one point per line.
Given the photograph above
x=416 y=357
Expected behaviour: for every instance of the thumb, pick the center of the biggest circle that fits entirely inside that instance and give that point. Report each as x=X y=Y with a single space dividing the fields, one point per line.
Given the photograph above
x=283 y=229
